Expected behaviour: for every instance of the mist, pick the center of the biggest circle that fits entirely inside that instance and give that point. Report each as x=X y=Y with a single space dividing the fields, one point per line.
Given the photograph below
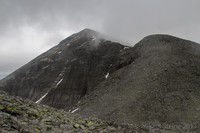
x=29 y=28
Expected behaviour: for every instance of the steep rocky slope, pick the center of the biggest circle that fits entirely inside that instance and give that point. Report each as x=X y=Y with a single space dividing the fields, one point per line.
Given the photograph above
x=24 y=116
x=65 y=73
x=160 y=85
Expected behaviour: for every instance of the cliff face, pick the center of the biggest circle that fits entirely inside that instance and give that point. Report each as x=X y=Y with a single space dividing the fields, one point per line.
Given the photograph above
x=65 y=73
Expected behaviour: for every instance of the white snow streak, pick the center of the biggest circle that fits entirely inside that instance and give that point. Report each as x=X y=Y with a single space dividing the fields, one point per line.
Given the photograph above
x=93 y=38
x=41 y=98
x=45 y=67
x=60 y=52
x=75 y=110
x=126 y=47
x=107 y=75
x=59 y=82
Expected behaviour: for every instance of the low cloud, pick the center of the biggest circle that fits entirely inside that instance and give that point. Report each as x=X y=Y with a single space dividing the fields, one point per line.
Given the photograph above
x=29 y=28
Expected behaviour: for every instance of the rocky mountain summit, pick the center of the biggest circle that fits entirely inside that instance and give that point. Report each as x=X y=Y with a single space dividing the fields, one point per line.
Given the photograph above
x=64 y=74
x=155 y=83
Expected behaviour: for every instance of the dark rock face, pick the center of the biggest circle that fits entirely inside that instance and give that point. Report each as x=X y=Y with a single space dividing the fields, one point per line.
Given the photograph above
x=65 y=73
x=160 y=85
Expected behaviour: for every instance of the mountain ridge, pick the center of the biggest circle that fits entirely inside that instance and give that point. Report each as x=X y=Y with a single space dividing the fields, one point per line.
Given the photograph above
x=161 y=73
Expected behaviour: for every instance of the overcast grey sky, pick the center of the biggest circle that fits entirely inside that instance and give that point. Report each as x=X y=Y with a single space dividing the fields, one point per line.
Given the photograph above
x=30 y=27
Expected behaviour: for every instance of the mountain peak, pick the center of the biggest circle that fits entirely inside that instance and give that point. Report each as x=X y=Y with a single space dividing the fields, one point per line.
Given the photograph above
x=89 y=33
x=83 y=58
x=87 y=30
x=163 y=38
x=162 y=41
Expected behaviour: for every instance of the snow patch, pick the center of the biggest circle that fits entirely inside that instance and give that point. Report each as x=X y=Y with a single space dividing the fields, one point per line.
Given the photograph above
x=60 y=52
x=45 y=67
x=75 y=110
x=93 y=38
x=107 y=75
x=126 y=47
x=68 y=44
x=59 y=82
x=41 y=98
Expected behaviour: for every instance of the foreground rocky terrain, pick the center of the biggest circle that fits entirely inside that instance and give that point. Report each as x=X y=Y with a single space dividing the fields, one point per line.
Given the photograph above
x=24 y=116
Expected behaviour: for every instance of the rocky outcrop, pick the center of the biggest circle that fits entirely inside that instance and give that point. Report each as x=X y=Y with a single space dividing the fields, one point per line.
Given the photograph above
x=24 y=116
